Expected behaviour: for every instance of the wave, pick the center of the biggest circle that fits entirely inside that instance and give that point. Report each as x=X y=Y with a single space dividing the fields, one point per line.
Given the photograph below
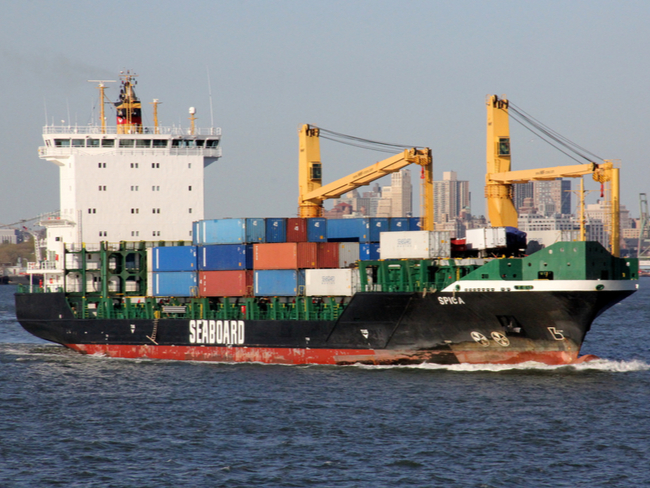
x=594 y=365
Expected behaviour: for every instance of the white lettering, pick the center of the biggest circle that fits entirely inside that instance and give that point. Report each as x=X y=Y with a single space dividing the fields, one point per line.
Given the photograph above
x=226 y=332
x=192 y=331
x=233 y=332
x=219 y=331
x=451 y=300
x=211 y=326
x=240 y=331
x=199 y=332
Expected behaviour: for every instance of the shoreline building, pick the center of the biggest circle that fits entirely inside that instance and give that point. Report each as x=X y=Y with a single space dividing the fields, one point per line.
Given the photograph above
x=451 y=197
x=395 y=200
x=548 y=197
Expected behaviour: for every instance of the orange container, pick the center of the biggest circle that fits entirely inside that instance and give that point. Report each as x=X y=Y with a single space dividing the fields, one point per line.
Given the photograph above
x=285 y=255
x=237 y=283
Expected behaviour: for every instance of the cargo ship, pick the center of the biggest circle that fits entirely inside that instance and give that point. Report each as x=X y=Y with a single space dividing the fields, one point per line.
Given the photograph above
x=303 y=290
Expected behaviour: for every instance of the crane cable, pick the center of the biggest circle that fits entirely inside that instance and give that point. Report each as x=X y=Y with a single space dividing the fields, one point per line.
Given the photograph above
x=545 y=133
x=361 y=142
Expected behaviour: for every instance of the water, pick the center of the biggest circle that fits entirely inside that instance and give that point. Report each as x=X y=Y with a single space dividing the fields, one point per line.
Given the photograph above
x=78 y=421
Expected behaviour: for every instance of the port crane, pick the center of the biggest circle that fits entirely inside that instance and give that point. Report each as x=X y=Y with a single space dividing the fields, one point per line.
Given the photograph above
x=312 y=193
x=500 y=178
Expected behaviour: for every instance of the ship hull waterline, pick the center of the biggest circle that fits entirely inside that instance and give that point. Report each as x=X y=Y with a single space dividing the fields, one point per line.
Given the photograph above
x=375 y=328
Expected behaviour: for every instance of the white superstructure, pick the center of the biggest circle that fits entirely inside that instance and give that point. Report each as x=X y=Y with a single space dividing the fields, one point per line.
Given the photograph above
x=126 y=182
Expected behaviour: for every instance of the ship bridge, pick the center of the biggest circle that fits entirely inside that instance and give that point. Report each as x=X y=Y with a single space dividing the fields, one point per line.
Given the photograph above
x=61 y=142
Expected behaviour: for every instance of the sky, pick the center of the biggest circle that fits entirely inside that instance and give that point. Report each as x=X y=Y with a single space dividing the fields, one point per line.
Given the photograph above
x=408 y=72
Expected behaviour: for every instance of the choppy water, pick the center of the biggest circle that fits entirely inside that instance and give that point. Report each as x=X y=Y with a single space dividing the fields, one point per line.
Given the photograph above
x=79 y=421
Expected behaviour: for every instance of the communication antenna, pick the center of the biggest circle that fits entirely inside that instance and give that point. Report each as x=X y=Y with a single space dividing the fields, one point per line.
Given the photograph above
x=101 y=88
x=210 y=95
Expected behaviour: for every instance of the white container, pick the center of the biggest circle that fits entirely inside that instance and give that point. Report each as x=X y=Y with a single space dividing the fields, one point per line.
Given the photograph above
x=331 y=282
x=348 y=254
x=417 y=244
x=487 y=238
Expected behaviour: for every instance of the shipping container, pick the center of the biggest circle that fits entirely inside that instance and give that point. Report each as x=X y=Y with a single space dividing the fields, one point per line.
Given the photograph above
x=285 y=255
x=196 y=233
x=317 y=229
x=348 y=254
x=173 y=258
x=237 y=283
x=296 y=230
x=348 y=230
x=398 y=224
x=222 y=231
x=377 y=226
x=486 y=238
x=276 y=230
x=420 y=244
x=369 y=251
x=220 y=257
x=331 y=282
x=175 y=284
x=328 y=254
x=415 y=223
x=279 y=282
x=255 y=231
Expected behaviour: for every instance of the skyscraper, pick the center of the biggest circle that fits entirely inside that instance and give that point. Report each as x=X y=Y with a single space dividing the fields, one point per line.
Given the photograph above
x=450 y=197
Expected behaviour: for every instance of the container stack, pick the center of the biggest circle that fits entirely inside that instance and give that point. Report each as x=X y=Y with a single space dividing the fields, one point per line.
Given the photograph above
x=285 y=257
x=172 y=271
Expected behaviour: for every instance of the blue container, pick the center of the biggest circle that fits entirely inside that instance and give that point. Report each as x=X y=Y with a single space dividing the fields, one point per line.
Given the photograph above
x=348 y=230
x=222 y=231
x=175 y=284
x=174 y=258
x=225 y=257
x=369 y=251
x=255 y=231
x=279 y=282
x=398 y=224
x=415 y=223
x=195 y=233
x=317 y=229
x=377 y=226
x=276 y=230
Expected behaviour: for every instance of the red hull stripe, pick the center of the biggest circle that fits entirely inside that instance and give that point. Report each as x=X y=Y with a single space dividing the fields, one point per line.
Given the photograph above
x=279 y=355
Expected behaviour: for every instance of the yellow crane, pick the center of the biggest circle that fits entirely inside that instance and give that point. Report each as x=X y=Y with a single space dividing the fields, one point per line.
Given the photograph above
x=499 y=178
x=312 y=193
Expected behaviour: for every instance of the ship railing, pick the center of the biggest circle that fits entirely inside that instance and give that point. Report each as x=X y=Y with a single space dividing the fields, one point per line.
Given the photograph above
x=96 y=129
x=41 y=266
x=213 y=152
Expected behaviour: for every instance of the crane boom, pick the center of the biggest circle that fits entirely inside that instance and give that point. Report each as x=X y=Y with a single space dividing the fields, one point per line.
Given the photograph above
x=312 y=193
x=499 y=179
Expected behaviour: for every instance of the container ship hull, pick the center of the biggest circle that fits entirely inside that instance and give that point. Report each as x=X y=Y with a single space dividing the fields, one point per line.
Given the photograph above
x=375 y=328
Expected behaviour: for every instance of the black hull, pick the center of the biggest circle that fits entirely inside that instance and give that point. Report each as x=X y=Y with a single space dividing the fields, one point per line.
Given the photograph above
x=375 y=328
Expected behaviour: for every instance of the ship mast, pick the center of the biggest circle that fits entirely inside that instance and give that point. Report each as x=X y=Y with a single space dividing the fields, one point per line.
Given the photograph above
x=102 y=100
x=129 y=108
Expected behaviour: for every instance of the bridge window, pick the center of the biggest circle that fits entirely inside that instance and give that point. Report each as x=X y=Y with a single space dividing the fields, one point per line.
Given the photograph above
x=61 y=142
x=92 y=142
x=127 y=142
x=108 y=142
x=160 y=143
x=78 y=143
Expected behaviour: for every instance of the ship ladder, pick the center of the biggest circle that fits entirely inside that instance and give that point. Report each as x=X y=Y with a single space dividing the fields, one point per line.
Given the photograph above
x=152 y=338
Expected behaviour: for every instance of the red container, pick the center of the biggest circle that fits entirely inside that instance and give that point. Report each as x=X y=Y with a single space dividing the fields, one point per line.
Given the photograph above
x=307 y=254
x=236 y=283
x=296 y=230
x=285 y=255
x=328 y=254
